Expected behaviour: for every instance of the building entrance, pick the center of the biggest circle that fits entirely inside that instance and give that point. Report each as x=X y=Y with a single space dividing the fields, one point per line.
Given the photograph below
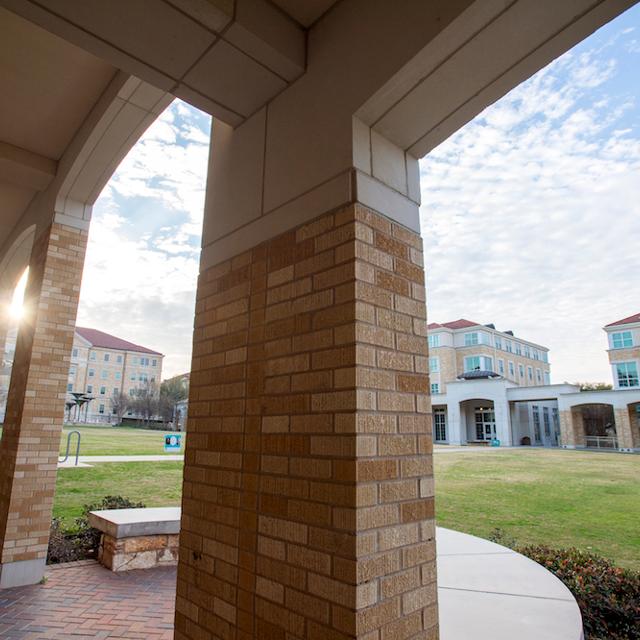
x=485 y=420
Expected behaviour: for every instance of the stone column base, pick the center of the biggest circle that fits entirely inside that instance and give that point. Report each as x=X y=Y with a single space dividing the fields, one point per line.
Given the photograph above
x=21 y=573
x=140 y=552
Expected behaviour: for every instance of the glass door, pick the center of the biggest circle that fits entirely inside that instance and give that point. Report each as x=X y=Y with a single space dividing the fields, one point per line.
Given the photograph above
x=485 y=424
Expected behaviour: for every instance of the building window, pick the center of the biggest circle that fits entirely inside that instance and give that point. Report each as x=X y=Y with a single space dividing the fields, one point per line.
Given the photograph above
x=135 y=360
x=103 y=390
x=92 y=355
x=89 y=388
x=434 y=365
x=498 y=340
x=622 y=340
x=478 y=363
x=547 y=379
x=117 y=375
x=627 y=374
x=115 y=391
x=106 y=357
x=545 y=357
x=518 y=349
x=74 y=353
x=132 y=392
x=508 y=346
x=538 y=376
x=536 y=355
x=132 y=376
x=104 y=374
x=546 y=421
x=555 y=416
x=119 y=359
x=91 y=373
x=470 y=339
x=512 y=371
x=101 y=409
x=72 y=370
x=530 y=373
x=440 y=425
x=434 y=340
x=69 y=387
x=521 y=371
x=435 y=387
x=536 y=424
x=154 y=363
x=527 y=351
x=501 y=367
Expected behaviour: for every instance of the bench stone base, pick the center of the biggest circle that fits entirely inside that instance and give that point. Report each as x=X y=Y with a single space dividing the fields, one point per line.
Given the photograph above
x=141 y=552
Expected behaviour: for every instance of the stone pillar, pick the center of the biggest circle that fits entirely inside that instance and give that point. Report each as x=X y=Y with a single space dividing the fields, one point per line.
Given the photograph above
x=503 y=422
x=454 y=424
x=35 y=405
x=308 y=489
x=627 y=427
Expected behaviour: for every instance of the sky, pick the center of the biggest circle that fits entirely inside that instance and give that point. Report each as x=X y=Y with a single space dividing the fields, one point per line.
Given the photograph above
x=530 y=216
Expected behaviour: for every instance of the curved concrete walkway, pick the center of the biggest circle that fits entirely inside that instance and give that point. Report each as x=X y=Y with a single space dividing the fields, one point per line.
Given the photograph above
x=489 y=592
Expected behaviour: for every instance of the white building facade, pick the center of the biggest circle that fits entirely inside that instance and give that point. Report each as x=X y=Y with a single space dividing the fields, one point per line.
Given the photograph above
x=492 y=387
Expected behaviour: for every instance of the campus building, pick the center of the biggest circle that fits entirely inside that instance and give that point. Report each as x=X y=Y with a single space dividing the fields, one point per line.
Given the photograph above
x=624 y=351
x=103 y=366
x=489 y=385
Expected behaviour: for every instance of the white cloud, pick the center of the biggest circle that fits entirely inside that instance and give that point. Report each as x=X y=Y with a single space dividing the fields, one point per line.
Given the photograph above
x=142 y=260
x=530 y=215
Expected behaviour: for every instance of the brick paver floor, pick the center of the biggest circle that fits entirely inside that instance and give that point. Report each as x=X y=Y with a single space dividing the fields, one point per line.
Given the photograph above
x=83 y=600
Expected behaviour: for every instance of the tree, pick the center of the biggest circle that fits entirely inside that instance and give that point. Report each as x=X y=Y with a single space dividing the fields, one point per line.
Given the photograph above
x=172 y=391
x=120 y=404
x=145 y=401
x=594 y=386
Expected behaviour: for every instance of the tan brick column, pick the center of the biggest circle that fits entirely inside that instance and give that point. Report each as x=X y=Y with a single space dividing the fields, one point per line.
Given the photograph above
x=308 y=490
x=35 y=406
x=572 y=428
x=627 y=427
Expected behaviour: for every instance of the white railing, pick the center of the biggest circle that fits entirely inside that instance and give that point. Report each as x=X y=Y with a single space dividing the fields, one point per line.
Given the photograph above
x=601 y=442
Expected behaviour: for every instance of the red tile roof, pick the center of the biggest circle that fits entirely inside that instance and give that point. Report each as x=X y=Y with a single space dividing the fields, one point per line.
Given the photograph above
x=456 y=324
x=631 y=319
x=106 y=341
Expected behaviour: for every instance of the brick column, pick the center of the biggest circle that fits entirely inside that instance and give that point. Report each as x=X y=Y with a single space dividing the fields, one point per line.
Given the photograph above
x=308 y=488
x=35 y=406
x=572 y=428
x=626 y=427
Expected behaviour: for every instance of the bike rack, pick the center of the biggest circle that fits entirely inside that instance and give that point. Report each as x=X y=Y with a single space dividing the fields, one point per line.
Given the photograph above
x=66 y=457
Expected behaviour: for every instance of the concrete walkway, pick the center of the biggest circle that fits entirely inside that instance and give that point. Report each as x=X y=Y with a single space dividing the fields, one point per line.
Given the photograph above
x=87 y=461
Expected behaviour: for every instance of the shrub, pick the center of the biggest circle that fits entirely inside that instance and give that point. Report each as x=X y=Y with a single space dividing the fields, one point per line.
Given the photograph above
x=81 y=542
x=608 y=596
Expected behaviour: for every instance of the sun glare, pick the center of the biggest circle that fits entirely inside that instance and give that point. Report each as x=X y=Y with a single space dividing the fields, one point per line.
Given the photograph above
x=16 y=307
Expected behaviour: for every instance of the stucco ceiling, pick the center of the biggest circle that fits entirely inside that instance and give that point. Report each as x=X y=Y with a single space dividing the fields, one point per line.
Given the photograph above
x=48 y=87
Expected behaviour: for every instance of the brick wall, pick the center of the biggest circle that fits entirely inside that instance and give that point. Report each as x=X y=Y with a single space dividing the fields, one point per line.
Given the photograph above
x=308 y=490
x=35 y=404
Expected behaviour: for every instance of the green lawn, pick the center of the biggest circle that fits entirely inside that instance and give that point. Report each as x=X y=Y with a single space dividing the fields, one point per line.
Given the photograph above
x=101 y=440
x=157 y=484
x=560 y=498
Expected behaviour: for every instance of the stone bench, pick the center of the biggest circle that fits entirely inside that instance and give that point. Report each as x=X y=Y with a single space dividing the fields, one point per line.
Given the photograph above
x=137 y=538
